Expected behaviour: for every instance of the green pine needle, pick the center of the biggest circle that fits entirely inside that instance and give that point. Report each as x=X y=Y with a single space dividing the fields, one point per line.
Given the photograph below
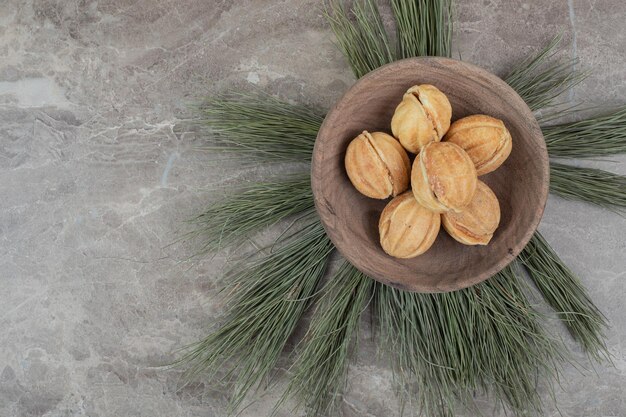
x=320 y=369
x=360 y=33
x=564 y=292
x=251 y=209
x=424 y=27
x=594 y=186
x=595 y=136
x=486 y=337
x=541 y=78
x=269 y=296
x=259 y=126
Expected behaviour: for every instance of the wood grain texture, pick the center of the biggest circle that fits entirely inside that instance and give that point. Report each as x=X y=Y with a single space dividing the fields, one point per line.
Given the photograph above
x=351 y=219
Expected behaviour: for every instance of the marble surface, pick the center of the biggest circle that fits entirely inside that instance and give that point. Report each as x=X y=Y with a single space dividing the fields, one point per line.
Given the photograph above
x=98 y=169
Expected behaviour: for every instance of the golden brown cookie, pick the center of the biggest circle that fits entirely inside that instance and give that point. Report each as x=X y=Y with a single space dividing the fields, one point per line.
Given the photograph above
x=423 y=116
x=486 y=140
x=476 y=224
x=443 y=177
x=377 y=165
x=406 y=228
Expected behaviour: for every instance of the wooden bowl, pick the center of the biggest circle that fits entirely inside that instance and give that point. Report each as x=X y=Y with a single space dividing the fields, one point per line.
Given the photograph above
x=351 y=219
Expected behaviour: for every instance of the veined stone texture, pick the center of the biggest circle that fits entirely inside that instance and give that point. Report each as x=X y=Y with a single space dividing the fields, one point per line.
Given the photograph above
x=98 y=169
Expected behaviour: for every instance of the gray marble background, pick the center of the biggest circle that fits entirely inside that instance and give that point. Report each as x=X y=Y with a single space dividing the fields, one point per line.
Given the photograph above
x=97 y=171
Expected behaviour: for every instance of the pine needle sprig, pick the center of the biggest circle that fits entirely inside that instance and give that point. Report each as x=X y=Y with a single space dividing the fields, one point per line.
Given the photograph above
x=424 y=27
x=260 y=126
x=446 y=343
x=360 y=33
x=250 y=209
x=321 y=366
x=269 y=296
x=530 y=351
x=541 y=78
x=564 y=292
x=591 y=185
x=596 y=136
x=406 y=323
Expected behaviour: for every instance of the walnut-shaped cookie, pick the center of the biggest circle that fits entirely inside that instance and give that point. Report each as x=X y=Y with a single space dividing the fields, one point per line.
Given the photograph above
x=407 y=229
x=423 y=116
x=443 y=177
x=377 y=165
x=476 y=224
x=486 y=140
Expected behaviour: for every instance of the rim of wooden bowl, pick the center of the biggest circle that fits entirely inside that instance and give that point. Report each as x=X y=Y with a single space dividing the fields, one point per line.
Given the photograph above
x=326 y=212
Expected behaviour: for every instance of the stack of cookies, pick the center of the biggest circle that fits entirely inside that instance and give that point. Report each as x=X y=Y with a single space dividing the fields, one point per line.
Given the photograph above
x=443 y=176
